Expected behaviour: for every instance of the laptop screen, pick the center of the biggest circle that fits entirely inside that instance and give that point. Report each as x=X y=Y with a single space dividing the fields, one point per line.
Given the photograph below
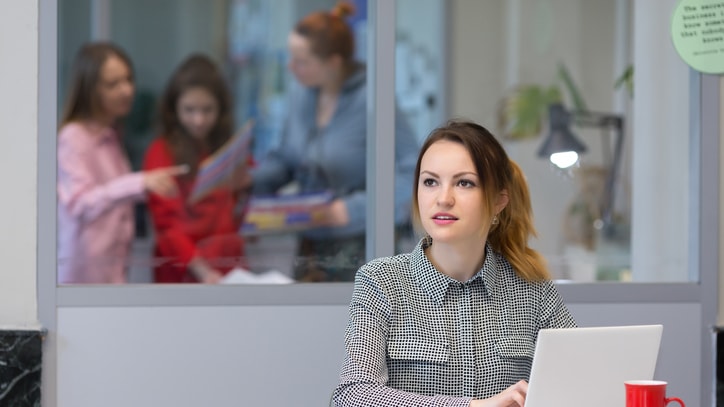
x=588 y=366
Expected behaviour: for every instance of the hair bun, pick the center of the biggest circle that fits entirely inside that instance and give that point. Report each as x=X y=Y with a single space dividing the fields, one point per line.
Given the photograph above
x=342 y=9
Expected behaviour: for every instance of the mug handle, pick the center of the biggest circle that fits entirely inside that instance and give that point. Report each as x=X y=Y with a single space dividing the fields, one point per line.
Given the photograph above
x=676 y=399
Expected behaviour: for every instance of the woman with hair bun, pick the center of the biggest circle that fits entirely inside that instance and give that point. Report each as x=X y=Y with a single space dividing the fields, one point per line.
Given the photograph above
x=323 y=146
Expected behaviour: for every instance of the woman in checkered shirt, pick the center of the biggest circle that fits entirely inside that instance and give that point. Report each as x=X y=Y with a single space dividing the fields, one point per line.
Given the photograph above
x=454 y=322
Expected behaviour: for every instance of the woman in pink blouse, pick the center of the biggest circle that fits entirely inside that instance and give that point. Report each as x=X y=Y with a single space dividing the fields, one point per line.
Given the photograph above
x=96 y=188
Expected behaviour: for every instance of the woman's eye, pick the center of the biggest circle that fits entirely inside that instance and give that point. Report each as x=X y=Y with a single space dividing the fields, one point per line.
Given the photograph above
x=466 y=183
x=428 y=182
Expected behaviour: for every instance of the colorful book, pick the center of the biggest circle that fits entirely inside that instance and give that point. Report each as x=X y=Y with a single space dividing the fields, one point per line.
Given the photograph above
x=218 y=168
x=284 y=213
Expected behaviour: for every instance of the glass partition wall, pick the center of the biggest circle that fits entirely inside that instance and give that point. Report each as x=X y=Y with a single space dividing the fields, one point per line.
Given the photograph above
x=503 y=64
x=667 y=186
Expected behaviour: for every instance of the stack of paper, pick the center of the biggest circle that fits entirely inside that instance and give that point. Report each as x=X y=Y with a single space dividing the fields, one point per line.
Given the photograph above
x=241 y=276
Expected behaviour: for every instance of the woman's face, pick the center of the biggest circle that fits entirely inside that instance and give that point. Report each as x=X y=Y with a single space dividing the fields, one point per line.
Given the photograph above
x=308 y=69
x=450 y=196
x=198 y=111
x=115 y=88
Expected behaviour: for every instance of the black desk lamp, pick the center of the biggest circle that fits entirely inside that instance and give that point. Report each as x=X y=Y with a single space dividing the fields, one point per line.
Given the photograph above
x=562 y=148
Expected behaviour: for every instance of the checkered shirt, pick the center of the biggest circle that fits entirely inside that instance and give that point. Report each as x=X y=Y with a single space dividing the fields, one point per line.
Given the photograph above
x=417 y=337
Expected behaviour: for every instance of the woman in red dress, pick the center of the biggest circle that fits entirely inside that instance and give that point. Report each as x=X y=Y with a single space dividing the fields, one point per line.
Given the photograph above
x=196 y=240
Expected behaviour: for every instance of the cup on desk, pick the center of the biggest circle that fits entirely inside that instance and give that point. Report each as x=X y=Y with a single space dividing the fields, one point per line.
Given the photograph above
x=648 y=393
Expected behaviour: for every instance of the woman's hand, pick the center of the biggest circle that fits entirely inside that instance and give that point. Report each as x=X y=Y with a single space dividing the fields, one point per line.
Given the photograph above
x=241 y=179
x=204 y=272
x=162 y=181
x=513 y=396
x=335 y=214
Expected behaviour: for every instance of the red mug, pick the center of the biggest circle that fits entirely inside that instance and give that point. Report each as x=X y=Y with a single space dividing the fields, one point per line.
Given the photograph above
x=648 y=393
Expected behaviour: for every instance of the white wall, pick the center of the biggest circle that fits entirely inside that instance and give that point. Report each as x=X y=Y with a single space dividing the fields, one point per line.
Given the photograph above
x=275 y=356
x=199 y=356
x=661 y=112
x=18 y=161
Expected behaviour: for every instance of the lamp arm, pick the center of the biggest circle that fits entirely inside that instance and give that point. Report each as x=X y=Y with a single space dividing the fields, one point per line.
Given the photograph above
x=611 y=183
x=592 y=119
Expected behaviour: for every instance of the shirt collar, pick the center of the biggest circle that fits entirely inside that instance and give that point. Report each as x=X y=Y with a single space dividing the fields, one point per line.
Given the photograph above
x=436 y=284
x=100 y=134
x=489 y=271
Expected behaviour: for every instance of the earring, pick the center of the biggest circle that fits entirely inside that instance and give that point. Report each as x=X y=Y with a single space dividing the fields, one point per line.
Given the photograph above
x=495 y=220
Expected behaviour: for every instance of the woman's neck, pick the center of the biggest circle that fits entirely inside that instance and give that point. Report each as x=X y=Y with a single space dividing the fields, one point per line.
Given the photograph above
x=334 y=85
x=460 y=262
x=328 y=96
x=100 y=121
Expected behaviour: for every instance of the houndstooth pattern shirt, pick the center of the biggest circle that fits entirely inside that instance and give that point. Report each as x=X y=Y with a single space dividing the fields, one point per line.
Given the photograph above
x=417 y=337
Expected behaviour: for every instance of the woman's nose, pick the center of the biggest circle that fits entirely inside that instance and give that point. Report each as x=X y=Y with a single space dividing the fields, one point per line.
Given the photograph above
x=445 y=198
x=129 y=88
x=199 y=118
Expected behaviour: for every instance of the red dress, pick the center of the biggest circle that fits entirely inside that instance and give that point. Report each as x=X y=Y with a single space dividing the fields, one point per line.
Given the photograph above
x=208 y=228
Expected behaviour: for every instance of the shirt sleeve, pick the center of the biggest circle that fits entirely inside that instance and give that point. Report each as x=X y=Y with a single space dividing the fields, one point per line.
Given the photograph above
x=406 y=150
x=554 y=314
x=364 y=375
x=167 y=214
x=78 y=189
x=271 y=174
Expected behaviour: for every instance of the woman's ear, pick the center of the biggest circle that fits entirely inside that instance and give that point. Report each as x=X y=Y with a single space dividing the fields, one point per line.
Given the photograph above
x=336 y=60
x=502 y=201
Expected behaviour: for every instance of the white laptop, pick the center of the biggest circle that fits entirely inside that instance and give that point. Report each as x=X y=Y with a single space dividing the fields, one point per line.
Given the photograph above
x=587 y=366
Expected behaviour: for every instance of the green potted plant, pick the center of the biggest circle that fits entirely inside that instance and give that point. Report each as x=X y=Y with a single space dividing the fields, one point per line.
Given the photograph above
x=522 y=113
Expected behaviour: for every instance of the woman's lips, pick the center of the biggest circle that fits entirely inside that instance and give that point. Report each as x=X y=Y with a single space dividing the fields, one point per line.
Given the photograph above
x=443 y=219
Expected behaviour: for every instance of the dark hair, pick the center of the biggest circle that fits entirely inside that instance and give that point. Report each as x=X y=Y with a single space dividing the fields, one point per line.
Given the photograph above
x=328 y=32
x=82 y=101
x=196 y=71
x=497 y=172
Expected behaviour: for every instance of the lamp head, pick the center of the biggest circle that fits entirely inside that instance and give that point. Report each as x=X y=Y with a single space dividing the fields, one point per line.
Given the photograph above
x=560 y=146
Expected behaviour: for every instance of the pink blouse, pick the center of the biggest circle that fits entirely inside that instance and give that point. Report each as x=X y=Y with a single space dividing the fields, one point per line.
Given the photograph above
x=96 y=193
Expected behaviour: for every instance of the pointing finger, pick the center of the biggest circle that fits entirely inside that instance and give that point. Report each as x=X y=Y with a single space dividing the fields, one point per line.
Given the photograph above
x=178 y=170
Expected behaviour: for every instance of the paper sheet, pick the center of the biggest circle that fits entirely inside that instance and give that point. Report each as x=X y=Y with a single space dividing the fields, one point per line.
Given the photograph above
x=241 y=276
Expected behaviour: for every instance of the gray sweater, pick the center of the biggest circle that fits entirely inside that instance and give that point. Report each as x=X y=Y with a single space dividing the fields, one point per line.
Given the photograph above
x=333 y=158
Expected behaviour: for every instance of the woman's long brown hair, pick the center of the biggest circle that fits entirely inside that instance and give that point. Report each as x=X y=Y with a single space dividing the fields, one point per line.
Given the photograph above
x=83 y=101
x=196 y=71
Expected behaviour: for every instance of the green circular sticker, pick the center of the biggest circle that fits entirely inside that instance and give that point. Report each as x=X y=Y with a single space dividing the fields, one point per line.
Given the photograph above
x=697 y=30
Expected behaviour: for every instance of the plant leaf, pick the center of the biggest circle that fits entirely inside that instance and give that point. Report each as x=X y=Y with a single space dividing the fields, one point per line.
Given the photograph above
x=521 y=113
x=576 y=98
x=626 y=79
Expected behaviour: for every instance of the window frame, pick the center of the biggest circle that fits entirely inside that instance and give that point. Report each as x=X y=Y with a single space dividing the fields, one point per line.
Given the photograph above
x=703 y=167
